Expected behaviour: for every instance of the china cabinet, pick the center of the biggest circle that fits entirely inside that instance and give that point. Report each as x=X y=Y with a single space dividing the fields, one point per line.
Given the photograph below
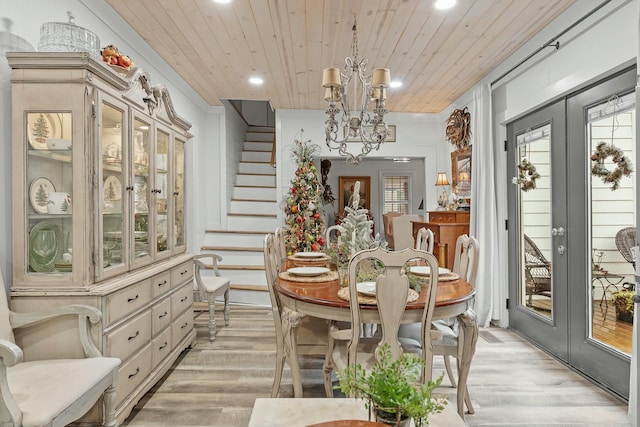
x=98 y=211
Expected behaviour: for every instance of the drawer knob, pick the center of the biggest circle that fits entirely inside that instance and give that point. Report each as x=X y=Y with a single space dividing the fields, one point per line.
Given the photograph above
x=163 y=345
x=134 y=298
x=135 y=373
x=162 y=283
x=183 y=299
x=162 y=315
x=185 y=325
x=134 y=336
x=182 y=273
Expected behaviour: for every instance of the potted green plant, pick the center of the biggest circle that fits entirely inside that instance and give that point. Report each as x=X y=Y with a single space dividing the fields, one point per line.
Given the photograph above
x=623 y=301
x=391 y=389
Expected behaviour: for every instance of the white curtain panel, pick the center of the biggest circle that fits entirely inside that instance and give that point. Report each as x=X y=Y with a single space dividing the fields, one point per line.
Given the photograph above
x=484 y=214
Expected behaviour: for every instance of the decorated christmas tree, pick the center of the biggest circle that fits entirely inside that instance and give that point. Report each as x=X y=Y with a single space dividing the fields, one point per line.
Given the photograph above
x=303 y=205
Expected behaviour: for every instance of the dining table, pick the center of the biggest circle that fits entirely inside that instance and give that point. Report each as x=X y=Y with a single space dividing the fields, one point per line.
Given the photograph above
x=319 y=298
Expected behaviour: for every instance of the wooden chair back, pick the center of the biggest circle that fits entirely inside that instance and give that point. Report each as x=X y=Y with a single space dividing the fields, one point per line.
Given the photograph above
x=467 y=258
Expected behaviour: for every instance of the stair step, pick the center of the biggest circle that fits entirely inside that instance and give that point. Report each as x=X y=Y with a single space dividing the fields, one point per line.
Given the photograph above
x=252 y=222
x=256 y=156
x=251 y=207
x=253 y=200
x=253 y=145
x=253 y=168
x=247 y=180
x=253 y=214
x=237 y=231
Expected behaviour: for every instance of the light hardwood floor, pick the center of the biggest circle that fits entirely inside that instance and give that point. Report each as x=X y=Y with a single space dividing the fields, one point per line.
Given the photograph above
x=512 y=383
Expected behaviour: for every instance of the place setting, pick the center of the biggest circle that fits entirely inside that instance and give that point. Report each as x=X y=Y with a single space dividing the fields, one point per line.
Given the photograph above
x=309 y=274
x=444 y=274
x=308 y=259
x=367 y=293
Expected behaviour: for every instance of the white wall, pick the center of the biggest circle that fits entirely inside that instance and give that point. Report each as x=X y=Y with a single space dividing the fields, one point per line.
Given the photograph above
x=99 y=17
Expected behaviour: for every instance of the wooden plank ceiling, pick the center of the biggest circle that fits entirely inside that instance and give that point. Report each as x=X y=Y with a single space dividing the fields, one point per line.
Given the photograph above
x=438 y=55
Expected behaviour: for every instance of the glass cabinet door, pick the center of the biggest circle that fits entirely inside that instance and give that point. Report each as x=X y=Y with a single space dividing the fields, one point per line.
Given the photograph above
x=50 y=189
x=161 y=184
x=141 y=188
x=112 y=177
x=178 y=197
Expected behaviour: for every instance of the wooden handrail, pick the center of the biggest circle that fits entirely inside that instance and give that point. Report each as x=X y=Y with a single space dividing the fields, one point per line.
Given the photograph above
x=273 y=152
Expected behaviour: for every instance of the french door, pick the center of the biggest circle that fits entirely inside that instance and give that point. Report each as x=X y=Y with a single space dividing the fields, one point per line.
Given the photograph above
x=571 y=199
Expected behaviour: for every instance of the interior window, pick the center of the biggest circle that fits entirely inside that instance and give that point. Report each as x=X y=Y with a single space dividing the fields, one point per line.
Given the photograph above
x=396 y=194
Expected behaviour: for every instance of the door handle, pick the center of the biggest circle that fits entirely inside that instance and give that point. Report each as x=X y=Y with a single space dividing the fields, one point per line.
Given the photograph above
x=557 y=231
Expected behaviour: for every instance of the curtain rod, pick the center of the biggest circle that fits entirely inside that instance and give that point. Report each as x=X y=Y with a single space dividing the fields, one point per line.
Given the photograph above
x=551 y=43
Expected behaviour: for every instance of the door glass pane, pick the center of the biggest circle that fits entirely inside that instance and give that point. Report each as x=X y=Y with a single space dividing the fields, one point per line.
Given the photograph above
x=112 y=191
x=610 y=131
x=534 y=207
x=396 y=194
x=141 y=189
x=49 y=180
x=161 y=181
x=178 y=194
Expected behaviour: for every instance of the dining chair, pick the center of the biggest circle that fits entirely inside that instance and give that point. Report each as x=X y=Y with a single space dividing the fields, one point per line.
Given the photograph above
x=403 y=231
x=310 y=333
x=211 y=286
x=334 y=230
x=387 y=222
x=446 y=333
x=280 y=241
x=424 y=240
x=348 y=347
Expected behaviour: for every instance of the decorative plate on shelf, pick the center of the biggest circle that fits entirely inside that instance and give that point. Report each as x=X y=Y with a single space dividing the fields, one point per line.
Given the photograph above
x=39 y=194
x=366 y=288
x=309 y=255
x=112 y=188
x=308 y=271
x=41 y=127
x=45 y=246
x=426 y=270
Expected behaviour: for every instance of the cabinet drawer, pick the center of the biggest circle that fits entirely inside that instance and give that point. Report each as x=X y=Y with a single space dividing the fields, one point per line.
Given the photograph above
x=442 y=217
x=126 y=301
x=181 y=327
x=161 y=316
x=161 y=347
x=132 y=373
x=126 y=339
x=161 y=284
x=181 y=300
x=181 y=273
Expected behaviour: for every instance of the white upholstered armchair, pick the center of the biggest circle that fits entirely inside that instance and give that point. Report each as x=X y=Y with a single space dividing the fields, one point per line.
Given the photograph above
x=53 y=392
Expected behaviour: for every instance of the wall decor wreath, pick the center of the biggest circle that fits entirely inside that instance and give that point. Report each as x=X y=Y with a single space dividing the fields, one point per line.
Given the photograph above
x=458 y=131
x=623 y=165
x=527 y=175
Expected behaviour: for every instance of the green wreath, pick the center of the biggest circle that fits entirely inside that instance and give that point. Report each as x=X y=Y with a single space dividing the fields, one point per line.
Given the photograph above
x=623 y=165
x=527 y=175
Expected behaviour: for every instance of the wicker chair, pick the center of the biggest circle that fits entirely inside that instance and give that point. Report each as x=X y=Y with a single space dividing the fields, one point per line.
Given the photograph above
x=625 y=240
x=537 y=271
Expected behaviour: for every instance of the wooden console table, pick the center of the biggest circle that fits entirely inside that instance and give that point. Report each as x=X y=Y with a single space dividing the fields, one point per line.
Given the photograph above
x=446 y=227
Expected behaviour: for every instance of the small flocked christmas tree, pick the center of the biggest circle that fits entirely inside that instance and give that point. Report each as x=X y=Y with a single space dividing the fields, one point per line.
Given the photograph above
x=357 y=230
x=303 y=205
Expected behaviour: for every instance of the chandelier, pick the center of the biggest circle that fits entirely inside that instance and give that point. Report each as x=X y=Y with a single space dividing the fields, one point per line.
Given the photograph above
x=355 y=85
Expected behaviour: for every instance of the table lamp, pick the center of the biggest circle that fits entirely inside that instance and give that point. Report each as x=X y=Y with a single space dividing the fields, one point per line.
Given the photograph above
x=442 y=181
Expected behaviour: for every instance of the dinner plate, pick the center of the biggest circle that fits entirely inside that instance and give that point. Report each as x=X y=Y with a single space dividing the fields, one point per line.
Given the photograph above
x=39 y=194
x=308 y=271
x=366 y=288
x=425 y=270
x=309 y=254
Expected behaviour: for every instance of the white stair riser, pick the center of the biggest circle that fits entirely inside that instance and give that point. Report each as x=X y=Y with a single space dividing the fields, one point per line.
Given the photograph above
x=263 y=168
x=235 y=240
x=256 y=180
x=254 y=193
x=240 y=257
x=258 y=146
x=259 y=136
x=251 y=223
x=241 y=296
x=256 y=156
x=245 y=277
x=253 y=207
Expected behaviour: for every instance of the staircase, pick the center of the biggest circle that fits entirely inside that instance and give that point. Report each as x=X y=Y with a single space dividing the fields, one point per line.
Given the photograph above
x=252 y=214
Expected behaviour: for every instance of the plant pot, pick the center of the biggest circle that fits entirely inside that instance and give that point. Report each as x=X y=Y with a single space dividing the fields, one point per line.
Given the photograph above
x=624 y=315
x=391 y=419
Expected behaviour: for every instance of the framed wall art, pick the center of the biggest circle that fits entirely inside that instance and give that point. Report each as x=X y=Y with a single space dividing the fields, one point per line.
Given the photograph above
x=347 y=185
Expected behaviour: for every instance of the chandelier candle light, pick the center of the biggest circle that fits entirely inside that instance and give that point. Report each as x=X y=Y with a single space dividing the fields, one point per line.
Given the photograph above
x=355 y=123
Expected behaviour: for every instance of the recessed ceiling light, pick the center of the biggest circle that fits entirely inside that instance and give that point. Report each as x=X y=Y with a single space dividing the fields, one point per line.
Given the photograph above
x=256 y=81
x=444 y=4
x=395 y=83
x=401 y=159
